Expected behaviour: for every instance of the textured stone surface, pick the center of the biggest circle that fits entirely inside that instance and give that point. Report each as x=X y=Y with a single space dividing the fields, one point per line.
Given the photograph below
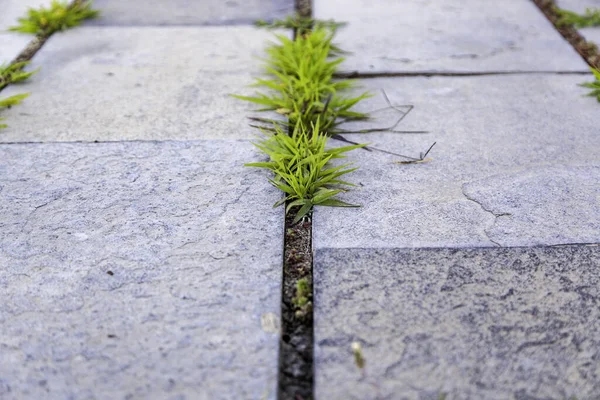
x=516 y=164
x=137 y=270
x=445 y=35
x=190 y=12
x=475 y=324
x=140 y=83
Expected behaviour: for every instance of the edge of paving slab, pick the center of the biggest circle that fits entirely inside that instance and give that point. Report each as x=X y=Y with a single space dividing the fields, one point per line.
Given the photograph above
x=588 y=51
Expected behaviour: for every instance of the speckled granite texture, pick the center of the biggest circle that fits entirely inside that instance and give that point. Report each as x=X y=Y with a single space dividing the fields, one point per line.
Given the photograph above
x=142 y=83
x=137 y=271
x=518 y=323
x=446 y=35
x=190 y=12
x=516 y=164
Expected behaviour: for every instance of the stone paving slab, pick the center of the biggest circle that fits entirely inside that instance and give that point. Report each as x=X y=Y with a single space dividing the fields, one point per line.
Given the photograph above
x=445 y=35
x=518 y=323
x=516 y=164
x=119 y=83
x=190 y=12
x=142 y=270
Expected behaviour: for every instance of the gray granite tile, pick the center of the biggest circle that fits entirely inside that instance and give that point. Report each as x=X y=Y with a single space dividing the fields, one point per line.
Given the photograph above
x=190 y=12
x=445 y=35
x=119 y=83
x=518 y=323
x=516 y=164
x=138 y=270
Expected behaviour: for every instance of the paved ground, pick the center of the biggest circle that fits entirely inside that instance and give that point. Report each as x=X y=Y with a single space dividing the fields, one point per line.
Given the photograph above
x=145 y=269
x=140 y=260
x=474 y=314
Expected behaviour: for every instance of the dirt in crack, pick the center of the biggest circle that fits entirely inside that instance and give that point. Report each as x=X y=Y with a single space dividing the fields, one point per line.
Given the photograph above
x=296 y=344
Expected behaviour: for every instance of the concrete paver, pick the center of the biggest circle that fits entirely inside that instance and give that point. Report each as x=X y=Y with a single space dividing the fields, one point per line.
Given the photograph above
x=188 y=12
x=516 y=164
x=443 y=35
x=518 y=323
x=119 y=83
x=137 y=270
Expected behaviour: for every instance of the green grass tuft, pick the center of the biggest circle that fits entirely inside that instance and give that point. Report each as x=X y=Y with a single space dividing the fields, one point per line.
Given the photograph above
x=301 y=167
x=595 y=86
x=13 y=73
x=58 y=17
x=590 y=18
x=301 y=87
x=9 y=102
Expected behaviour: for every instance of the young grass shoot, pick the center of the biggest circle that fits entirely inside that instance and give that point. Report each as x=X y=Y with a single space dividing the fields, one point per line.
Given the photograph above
x=9 y=102
x=58 y=17
x=595 y=86
x=9 y=74
x=590 y=18
x=300 y=86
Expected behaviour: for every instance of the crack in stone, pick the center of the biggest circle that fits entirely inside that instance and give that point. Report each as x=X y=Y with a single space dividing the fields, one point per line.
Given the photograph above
x=496 y=215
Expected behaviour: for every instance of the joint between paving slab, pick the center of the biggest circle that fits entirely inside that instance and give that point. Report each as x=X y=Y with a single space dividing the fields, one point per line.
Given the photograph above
x=296 y=350
x=430 y=74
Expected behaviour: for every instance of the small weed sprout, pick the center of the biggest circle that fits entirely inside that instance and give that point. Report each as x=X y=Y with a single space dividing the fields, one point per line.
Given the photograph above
x=301 y=167
x=9 y=102
x=58 y=17
x=595 y=86
x=302 y=298
x=13 y=73
x=590 y=18
x=302 y=86
x=359 y=359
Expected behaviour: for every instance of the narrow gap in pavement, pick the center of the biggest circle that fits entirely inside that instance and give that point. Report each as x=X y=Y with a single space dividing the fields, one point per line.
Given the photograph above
x=586 y=49
x=296 y=345
x=372 y=75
